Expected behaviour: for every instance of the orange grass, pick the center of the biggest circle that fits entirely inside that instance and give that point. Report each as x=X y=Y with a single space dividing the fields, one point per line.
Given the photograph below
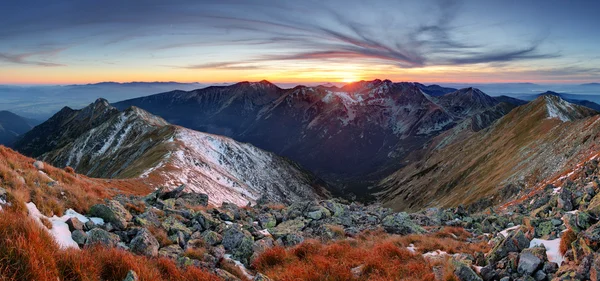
x=29 y=253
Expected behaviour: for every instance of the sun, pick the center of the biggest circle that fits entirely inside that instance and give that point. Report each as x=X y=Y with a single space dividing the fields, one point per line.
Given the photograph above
x=349 y=78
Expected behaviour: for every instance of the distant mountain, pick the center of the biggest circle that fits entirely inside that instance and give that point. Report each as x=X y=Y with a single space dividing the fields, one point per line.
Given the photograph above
x=531 y=143
x=511 y=100
x=435 y=90
x=41 y=102
x=12 y=126
x=353 y=134
x=573 y=99
x=101 y=141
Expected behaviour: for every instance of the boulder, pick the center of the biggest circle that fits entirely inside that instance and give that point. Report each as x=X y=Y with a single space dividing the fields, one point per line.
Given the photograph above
x=102 y=237
x=79 y=236
x=528 y=263
x=515 y=242
x=400 y=223
x=173 y=194
x=239 y=242
x=74 y=224
x=113 y=212
x=211 y=238
x=464 y=273
x=144 y=244
x=171 y=251
x=288 y=227
x=173 y=225
x=565 y=200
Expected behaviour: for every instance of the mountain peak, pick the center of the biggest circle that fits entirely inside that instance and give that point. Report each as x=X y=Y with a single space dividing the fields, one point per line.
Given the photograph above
x=558 y=108
x=101 y=102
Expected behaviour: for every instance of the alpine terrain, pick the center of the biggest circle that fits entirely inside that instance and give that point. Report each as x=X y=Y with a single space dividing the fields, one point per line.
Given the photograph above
x=349 y=136
x=101 y=141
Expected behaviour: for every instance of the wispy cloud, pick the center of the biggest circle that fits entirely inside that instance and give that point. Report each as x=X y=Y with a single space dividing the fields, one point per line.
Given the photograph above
x=31 y=58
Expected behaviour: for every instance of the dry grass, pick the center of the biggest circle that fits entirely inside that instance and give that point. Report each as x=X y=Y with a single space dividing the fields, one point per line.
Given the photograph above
x=161 y=236
x=137 y=208
x=29 y=253
x=20 y=177
x=46 y=222
x=565 y=241
x=275 y=206
x=230 y=267
x=381 y=256
x=195 y=253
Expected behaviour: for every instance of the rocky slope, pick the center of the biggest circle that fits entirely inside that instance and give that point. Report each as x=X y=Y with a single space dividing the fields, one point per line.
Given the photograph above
x=71 y=123
x=353 y=134
x=12 y=126
x=529 y=144
x=100 y=141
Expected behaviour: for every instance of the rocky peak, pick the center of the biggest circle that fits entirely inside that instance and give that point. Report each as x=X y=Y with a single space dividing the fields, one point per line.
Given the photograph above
x=558 y=108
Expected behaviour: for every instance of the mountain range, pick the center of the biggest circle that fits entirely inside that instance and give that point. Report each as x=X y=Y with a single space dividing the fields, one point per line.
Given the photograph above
x=351 y=136
x=530 y=144
x=101 y=141
x=376 y=139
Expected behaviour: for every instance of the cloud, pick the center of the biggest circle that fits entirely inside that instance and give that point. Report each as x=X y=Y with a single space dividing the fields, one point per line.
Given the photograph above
x=28 y=58
x=429 y=41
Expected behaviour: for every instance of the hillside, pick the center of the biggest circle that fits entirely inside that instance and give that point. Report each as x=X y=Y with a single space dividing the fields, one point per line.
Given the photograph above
x=529 y=144
x=100 y=141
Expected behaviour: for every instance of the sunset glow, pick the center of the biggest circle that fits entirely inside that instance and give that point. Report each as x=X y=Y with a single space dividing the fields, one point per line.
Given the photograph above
x=71 y=42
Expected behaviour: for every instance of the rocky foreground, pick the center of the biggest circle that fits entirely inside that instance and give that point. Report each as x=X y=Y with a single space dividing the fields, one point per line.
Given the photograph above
x=550 y=234
x=524 y=238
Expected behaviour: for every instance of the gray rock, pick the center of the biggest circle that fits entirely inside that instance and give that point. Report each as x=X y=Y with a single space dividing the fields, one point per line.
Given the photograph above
x=211 y=238
x=540 y=275
x=79 y=236
x=195 y=199
x=74 y=224
x=400 y=223
x=515 y=242
x=288 y=227
x=528 y=263
x=464 y=273
x=239 y=242
x=144 y=244
x=131 y=276
x=565 y=200
x=102 y=237
x=173 y=194
x=173 y=225
x=171 y=251
x=112 y=212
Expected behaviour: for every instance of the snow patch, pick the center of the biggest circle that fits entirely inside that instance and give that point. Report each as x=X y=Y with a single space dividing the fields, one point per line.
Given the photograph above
x=552 y=249
x=60 y=230
x=558 y=109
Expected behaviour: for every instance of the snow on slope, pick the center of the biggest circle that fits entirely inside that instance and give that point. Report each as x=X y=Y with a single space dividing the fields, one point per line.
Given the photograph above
x=229 y=171
x=558 y=108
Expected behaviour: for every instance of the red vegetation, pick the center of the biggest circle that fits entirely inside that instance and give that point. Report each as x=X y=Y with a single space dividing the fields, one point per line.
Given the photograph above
x=374 y=255
x=565 y=241
x=373 y=260
x=29 y=253
x=24 y=181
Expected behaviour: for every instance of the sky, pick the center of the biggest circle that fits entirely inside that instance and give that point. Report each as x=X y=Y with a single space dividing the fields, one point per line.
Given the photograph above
x=479 y=41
